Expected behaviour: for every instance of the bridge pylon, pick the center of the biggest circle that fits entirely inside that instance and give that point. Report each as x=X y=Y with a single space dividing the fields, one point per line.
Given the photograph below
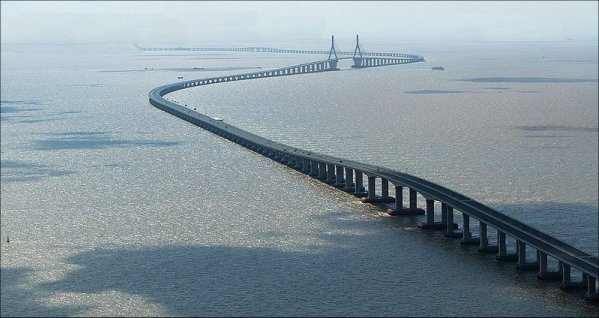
x=333 y=52
x=357 y=50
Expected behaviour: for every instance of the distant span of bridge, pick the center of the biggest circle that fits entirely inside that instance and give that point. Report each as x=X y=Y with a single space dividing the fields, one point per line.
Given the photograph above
x=348 y=175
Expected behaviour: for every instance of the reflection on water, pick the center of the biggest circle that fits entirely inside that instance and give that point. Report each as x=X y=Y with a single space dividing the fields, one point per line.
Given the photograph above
x=23 y=171
x=92 y=140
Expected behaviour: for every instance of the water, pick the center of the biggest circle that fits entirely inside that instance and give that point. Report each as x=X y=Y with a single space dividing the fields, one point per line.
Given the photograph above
x=116 y=208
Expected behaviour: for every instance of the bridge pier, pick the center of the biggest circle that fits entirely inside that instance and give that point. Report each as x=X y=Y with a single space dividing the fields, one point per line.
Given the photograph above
x=398 y=197
x=588 y=282
x=332 y=65
x=322 y=171
x=349 y=180
x=288 y=159
x=522 y=264
x=430 y=215
x=567 y=283
x=330 y=173
x=443 y=215
x=371 y=187
x=299 y=163
x=307 y=168
x=543 y=273
x=284 y=158
x=384 y=188
x=502 y=254
x=449 y=231
x=339 y=180
x=430 y=211
x=313 y=168
x=467 y=238
x=358 y=62
x=399 y=209
x=592 y=289
x=413 y=199
x=484 y=246
x=359 y=189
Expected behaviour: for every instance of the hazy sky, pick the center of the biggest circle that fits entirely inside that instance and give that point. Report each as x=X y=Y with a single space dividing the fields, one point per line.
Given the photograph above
x=190 y=22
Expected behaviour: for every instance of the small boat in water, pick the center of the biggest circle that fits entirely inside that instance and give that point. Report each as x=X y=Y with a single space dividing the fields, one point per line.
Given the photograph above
x=180 y=77
x=438 y=68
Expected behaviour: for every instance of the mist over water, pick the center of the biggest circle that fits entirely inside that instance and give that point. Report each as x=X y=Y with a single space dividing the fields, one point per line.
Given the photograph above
x=114 y=207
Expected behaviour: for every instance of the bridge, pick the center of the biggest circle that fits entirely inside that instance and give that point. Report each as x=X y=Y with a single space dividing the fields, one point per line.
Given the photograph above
x=360 y=59
x=348 y=175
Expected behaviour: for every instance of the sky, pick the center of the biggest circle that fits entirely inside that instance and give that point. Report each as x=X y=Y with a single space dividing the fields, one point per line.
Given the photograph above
x=196 y=22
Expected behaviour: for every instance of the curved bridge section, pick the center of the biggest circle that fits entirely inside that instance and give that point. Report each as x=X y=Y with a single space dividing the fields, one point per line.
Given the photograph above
x=349 y=176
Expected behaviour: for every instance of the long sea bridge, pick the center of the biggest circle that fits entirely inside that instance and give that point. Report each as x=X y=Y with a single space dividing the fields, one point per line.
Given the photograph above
x=349 y=176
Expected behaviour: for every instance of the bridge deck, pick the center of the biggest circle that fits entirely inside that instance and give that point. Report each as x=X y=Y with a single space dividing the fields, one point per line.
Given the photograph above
x=554 y=247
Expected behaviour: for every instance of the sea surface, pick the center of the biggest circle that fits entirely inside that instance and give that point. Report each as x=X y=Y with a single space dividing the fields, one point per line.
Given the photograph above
x=113 y=207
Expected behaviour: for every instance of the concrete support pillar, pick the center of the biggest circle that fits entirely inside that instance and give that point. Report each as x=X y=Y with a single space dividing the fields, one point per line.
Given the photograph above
x=566 y=269
x=306 y=168
x=568 y=284
x=521 y=250
x=483 y=246
x=466 y=235
x=501 y=243
x=544 y=272
x=443 y=213
x=322 y=170
x=592 y=293
x=467 y=238
x=448 y=217
x=313 y=168
x=430 y=211
x=299 y=163
x=349 y=179
x=502 y=254
x=339 y=180
x=398 y=197
x=449 y=229
x=371 y=187
x=358 y=62
x=542 y=263
x=330 y=173
x=384 y=188
x=333 y=64
x=520 y=257
x=413 y=202
x=359 y=182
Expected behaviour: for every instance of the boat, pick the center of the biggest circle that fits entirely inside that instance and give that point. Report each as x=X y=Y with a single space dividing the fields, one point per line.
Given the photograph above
x=438 y=68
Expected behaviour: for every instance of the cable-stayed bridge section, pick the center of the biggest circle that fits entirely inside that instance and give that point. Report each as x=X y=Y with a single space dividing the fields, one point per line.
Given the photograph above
x=361 y=59
x=349 y=176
